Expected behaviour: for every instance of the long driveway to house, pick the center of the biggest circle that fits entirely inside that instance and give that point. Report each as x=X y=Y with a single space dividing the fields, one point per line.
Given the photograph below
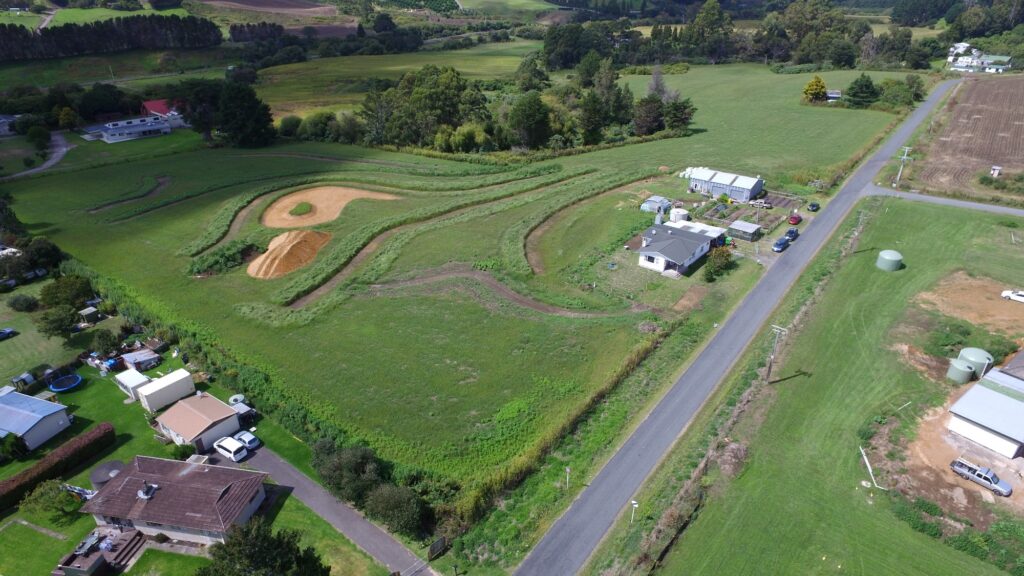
x=572 y=539
x=365 y=534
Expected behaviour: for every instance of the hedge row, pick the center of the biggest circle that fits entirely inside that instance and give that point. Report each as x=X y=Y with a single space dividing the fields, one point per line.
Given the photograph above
x=63 y=459
x=222 y=259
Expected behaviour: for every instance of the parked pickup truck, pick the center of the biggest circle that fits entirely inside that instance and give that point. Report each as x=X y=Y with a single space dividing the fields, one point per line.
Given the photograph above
x=983 y=476
x=760 y=203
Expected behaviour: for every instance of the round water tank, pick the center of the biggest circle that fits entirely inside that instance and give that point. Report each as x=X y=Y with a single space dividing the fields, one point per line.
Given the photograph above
x=960 y=371
x=889 y=260
x=978 y=358
x=104 y=473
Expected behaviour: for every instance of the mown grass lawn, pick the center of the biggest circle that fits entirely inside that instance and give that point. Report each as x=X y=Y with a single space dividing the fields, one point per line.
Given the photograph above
x=333 y=83
x=86 y=70
x=87 y=15
x=508 y=7
x=798 y=506
x=13 y=151
x=159 y=563
x=26 y=19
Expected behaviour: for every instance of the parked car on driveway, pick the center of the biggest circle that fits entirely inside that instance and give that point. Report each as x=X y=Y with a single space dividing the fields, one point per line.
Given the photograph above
x=231 y=449
x=760 y=203
x=247 y=439
x=780 y=244
x=813 y=207
x=982 y=476
x=792 y=234
x=1015 y=295
x=8 y=333
x=795 y=219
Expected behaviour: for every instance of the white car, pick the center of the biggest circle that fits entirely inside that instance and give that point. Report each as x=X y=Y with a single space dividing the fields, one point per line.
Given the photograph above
x=250 y=441
x=1015 y=295
x=231 y=449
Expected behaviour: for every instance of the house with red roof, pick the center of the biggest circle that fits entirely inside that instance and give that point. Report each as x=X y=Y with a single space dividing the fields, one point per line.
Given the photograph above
x=165 y=111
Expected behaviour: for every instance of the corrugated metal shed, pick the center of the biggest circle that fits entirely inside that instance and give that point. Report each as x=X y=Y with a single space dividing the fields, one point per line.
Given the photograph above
x=992 y=410
x=19 y=413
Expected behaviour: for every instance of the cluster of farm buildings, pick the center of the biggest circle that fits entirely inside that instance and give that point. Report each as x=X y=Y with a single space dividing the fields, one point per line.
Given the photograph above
x=963 y=58
x=158 y=118
x=674 y=243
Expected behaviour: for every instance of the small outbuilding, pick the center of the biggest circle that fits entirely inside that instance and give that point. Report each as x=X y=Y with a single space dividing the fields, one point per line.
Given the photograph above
x=33 y=420
x=166 y=390
x=745 y=230
x=130 y=381
x=199 y=420
x=142 y=360
x=656 y=204
x=90 y=315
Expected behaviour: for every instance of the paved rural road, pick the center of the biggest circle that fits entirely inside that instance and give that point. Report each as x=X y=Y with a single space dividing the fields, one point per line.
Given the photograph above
x=569 y=543
x=58 y=148
x=366 y=535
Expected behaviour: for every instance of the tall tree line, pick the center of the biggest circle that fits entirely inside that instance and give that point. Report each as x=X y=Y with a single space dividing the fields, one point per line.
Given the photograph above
x=116 y=35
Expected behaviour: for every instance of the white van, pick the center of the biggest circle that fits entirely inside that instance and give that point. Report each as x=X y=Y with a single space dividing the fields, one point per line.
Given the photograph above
x=230 y=448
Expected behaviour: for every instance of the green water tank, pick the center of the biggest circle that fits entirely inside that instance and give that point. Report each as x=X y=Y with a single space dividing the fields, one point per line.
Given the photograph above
x=889 y=260
x=960 y=371
x=978 y=358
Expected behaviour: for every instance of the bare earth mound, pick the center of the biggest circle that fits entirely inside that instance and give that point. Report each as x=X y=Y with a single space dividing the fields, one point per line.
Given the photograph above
x=977 y=301
x=288 y=252
x=327 y=201
x=291 y=7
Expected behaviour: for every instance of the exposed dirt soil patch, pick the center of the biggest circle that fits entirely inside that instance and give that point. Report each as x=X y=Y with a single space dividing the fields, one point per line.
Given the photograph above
x=293 y=7
x=162 y=182
x=926 y=471
x=327 y=202
x=692 y=298
x=984 y=126
x=932 y=367
x=977 y=301
x=288 y=252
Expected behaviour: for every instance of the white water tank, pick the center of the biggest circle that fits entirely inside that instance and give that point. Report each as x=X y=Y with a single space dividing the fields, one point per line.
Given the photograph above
x=678 y=215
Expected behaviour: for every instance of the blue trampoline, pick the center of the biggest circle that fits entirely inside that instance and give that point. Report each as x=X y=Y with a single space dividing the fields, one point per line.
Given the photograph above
x=65 y=383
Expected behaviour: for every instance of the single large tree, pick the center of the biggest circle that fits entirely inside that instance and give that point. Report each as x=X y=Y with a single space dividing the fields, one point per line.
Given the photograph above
x=862 y=92
x=56 y=322
x=529 y=120
x=647 y=115
x=243 y=118
x=254 y=550
x=679 y=114
x=71 y=291
x=815 y=90
x=199 y=101
x=592 y=118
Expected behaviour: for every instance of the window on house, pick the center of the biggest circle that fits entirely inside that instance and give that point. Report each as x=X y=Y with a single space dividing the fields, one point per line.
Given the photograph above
x=650 y=259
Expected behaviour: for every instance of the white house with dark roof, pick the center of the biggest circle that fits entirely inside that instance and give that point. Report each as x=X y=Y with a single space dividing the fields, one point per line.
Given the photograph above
x=665 y=248
x=33 y=420
x=991 y=413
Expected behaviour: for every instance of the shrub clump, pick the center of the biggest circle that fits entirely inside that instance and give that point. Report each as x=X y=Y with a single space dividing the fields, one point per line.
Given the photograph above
x=399 y=507
x=23 y=303
x=222 y=259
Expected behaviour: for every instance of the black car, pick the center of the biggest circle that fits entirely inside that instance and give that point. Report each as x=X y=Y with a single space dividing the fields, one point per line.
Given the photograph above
x=792 y=234
x=8 y=333
x=813 y=207
x=780 y=244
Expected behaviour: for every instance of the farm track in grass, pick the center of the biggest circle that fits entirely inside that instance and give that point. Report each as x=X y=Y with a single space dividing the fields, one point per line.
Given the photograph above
x=374 y=244
x=463 y=271
x=162 y=182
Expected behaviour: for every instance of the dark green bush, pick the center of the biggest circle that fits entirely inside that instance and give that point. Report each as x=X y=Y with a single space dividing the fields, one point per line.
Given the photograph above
x=399 y=507
x=222 y=259
x=23 y=303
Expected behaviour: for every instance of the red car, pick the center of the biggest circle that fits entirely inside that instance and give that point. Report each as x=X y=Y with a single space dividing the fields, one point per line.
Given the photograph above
x=795 y=219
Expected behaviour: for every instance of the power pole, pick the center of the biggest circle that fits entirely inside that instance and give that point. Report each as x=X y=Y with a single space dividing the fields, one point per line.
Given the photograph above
x=903 y=162
x=779 y=331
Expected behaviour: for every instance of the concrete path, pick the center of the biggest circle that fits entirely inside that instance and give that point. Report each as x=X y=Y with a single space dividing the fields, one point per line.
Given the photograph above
x=572 y=539
x=369 y=537
x=46 y=20
x=59 y=146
